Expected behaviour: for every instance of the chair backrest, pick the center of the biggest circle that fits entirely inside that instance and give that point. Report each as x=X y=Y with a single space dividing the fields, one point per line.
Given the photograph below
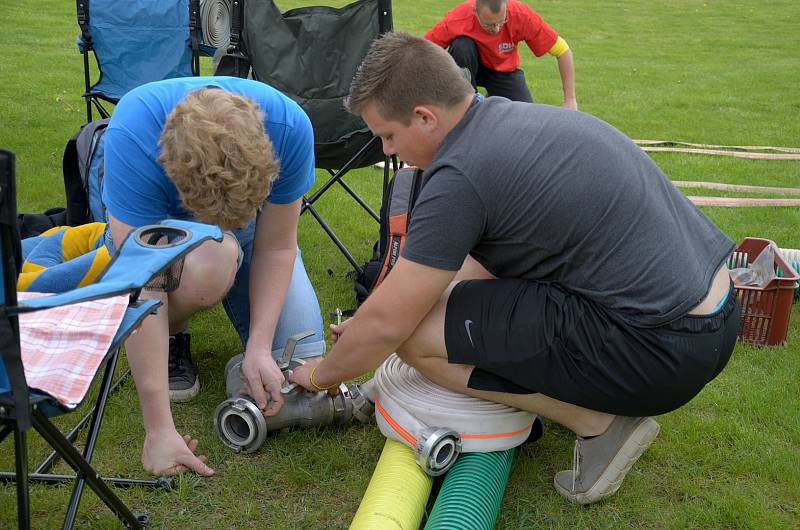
x=311 y=54
x=138 y=41
x=13 y=387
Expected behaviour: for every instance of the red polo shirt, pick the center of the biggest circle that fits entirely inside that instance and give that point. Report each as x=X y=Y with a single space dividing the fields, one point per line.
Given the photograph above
x=497 y=52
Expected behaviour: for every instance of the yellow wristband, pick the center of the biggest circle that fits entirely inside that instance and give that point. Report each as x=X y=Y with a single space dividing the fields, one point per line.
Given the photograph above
x=315 y=385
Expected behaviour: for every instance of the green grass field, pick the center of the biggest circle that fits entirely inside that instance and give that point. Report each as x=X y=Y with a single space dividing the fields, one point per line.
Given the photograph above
x=688 y=70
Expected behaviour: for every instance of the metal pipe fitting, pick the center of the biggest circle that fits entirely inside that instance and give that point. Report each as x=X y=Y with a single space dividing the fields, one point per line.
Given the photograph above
x=437 y=450
x=242 y=427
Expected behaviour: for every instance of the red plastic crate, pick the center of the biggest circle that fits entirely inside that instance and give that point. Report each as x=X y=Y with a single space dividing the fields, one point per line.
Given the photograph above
x=765 y=310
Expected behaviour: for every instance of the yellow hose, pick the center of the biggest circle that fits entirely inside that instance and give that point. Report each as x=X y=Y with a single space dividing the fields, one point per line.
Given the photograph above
x=397 y=493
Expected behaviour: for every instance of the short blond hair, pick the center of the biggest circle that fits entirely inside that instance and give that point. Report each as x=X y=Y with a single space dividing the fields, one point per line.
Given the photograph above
x=401 y=71
x=216 y=151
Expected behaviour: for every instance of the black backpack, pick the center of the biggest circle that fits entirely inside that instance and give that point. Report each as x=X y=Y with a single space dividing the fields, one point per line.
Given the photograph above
x=395 y=216
x=83 y=180
x=83 y=174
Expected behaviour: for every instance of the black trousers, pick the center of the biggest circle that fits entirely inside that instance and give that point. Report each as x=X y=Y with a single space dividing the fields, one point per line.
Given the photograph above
x=511 y=85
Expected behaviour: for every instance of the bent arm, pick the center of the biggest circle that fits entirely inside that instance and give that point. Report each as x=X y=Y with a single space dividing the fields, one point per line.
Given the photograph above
x=274 y=253
x=386 y=320
x=146 y=350
x=566 y=68
x=440 y=34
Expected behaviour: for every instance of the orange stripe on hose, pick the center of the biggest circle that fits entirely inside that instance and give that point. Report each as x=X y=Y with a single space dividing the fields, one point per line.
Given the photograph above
x=396 y=426
x=468 y=436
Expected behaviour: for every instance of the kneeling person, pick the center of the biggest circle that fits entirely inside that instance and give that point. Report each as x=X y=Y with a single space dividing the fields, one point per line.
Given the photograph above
x=238 y=154
x=550 y=265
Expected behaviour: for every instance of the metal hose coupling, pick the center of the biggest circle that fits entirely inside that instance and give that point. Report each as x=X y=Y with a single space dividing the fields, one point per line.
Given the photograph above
x=437 y=449
x=241 y=426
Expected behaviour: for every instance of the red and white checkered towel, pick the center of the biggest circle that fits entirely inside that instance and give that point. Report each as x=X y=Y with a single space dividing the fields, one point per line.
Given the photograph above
x=63 y=346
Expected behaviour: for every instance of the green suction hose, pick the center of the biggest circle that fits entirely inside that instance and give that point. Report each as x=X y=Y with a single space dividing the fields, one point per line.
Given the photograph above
x=472 y=492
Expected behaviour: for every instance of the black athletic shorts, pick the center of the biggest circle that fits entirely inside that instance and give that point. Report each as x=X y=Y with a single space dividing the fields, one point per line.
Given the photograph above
x=527 y=337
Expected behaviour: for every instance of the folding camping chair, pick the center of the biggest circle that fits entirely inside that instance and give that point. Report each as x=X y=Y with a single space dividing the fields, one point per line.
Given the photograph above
x=150 y=256
x=311 y=54
x=135 y=42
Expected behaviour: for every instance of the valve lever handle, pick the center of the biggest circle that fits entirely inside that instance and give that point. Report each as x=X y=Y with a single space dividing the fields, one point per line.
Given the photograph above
x=288 y=351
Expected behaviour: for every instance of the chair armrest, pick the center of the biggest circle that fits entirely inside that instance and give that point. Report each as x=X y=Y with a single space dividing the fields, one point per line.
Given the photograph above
x=137 y=261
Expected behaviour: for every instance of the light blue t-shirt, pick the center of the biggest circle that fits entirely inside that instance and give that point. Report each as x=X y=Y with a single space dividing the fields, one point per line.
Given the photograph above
x=137 y=191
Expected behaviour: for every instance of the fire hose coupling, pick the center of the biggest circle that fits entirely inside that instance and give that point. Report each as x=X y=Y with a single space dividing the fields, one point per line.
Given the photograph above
x=439 y=423
x=241 y=426
x=437 y=450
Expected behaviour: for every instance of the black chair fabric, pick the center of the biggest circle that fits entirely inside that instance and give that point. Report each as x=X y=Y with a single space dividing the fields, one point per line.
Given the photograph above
x=311 y=54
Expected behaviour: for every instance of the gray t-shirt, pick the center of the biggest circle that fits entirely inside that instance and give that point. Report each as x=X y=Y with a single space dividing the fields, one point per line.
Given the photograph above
x=543 y=193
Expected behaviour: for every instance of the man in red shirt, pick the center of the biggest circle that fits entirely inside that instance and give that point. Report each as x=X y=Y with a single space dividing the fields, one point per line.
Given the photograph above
x=483 y=36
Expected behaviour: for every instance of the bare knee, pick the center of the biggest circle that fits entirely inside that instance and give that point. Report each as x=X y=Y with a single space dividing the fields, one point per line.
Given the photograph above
x=208 y=273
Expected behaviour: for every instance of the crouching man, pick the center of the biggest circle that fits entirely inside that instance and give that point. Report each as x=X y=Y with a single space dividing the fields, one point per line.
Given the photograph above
x=550 y=265
x=238 y=154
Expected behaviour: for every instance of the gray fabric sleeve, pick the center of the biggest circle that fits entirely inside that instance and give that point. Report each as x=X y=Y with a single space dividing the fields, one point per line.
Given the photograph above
x=446 y=223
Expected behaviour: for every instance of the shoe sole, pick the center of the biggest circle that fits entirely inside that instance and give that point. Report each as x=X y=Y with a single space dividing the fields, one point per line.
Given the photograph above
x=186 y=394
x=611 y=478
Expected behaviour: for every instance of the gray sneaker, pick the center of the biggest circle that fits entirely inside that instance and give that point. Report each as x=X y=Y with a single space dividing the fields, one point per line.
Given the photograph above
x=600 y=463
x=183 y=382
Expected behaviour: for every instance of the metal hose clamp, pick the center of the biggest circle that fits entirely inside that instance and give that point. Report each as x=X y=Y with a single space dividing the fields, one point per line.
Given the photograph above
x=437 y=450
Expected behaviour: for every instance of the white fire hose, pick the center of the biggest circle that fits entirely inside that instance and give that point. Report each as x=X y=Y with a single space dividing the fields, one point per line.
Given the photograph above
x=439 y=423
x=215 y=20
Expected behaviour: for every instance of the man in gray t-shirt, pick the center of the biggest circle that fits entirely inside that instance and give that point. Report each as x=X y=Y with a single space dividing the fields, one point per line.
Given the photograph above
x=550 y=266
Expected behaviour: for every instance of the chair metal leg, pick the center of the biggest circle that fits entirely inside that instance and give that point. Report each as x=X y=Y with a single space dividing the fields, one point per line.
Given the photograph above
x=48 y=463
x=117 y=482
x=23 y=499
x=91 y=441
x=332 y=235
x=344 y=169
x=359 y=200
x=72 y=457
x=87 y=83
x=5 y=431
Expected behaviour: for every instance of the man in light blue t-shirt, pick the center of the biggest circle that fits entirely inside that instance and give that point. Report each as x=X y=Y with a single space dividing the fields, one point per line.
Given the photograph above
x=238 y=154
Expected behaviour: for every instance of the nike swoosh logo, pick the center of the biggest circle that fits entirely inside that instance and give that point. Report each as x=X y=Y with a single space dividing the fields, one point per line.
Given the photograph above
x=467 y=324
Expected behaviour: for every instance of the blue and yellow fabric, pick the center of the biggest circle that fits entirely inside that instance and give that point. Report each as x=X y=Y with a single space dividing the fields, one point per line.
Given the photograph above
x=63 y=258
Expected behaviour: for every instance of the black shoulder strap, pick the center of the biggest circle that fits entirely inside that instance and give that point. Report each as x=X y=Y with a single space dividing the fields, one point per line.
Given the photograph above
x=195 y=29
x=236 y=25
x=83 y=20
x=77 y=201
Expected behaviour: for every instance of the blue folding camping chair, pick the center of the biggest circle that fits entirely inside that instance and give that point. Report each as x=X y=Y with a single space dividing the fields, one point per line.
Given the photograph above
x=150 y=257
x=136 y=42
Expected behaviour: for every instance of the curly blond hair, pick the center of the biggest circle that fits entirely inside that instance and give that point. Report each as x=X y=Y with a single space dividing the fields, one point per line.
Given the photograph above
x=214 y=148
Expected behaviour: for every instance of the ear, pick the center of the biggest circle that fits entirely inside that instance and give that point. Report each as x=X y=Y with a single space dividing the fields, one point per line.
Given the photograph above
x=425 y=116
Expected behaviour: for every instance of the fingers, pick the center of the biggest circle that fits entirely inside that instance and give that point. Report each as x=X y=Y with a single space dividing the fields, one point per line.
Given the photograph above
x=188 y=461
x=336 y=331
x=275 y=404
x=256 y=390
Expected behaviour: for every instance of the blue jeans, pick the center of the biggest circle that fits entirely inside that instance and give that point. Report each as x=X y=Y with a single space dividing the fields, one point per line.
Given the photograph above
x=300 y=310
